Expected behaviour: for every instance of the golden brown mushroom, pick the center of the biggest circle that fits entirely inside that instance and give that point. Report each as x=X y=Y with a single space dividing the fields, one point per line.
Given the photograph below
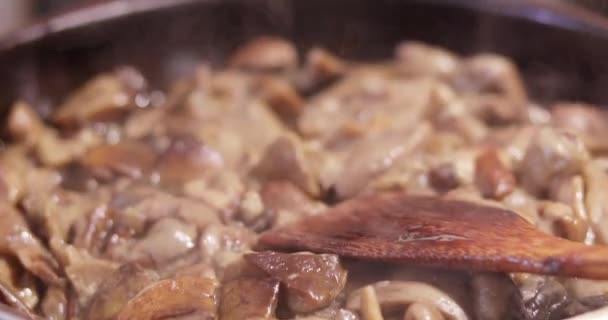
x=184 y=295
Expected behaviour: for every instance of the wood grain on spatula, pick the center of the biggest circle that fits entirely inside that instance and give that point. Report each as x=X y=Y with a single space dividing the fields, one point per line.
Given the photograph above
x=433 y=231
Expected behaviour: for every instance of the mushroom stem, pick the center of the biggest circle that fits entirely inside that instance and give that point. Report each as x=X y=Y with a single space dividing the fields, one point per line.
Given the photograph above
x=370 y=308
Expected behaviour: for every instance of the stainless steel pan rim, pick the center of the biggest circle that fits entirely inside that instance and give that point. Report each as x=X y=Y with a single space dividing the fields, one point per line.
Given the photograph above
x=552 y=13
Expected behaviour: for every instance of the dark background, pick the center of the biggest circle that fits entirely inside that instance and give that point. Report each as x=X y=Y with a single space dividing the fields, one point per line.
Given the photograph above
x=46 y=6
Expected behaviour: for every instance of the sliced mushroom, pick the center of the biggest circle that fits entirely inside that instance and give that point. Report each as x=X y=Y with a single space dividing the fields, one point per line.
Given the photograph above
x=443 y=177
x=56 y=210
x=570 y=191
x=54 y=306
x=589 y=122
x=312 y=281
x=16 y=239
x=252 y=213
x=55 y=151
x=392 y=294
x=167 y=239
x=487 y=73
x=320 y=68
x=143 y=123
x=492 y=177
x=17 y=287
x=121 y=286
x=86 y=273
x=282 y=98
x=220 y=190
x=14 y=166
x=130 y=158
x=551 y=153
x=249 y=298
x=103 y=97
x=286 y=203
x=285 y=159
x=368 y=101
x=135 y=208
x=560 y=220
x=221 y=246
x=24 y=124
x=181 y=296
x=416 y=59
x=373 y=156
x=186 y=159
x=265 y=53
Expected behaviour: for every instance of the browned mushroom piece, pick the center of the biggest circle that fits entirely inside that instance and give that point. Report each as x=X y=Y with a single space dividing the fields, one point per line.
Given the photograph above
x=129 y=158
x=570 y=190
x=492 y=177
x=180 y=296
x=320 y=68
x=488 y=73
x=560 y=220
x=223 y=247
x=136 y=208
x=375 y=155
x=265 y=53
x=443 y=177
x=542 y=298
x=375 y=103
x=102 y=98
x=589 y=122
x=228 y=123
x=144 y=122
x=166 y=240
x=312 y=281
x=55 y=151
x=221 y=190
x=14 y=166
x=17 y=286
x=249 y=298
x=494 y=109
x=54 y=305
x=550 y=153
x=120 y=287
x=419 y=59
x=17 y=240
x=55 y=210
x=85 y=272
x=186 y=159
x=286 y=159
x=282 y=97
x=286 y=203
x=24 y=124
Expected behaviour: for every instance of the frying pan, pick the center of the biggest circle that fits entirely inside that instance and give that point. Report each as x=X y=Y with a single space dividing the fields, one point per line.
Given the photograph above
x=560 y=49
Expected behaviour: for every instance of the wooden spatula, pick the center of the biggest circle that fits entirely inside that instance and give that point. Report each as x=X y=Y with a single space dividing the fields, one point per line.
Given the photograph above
x=433 y=231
